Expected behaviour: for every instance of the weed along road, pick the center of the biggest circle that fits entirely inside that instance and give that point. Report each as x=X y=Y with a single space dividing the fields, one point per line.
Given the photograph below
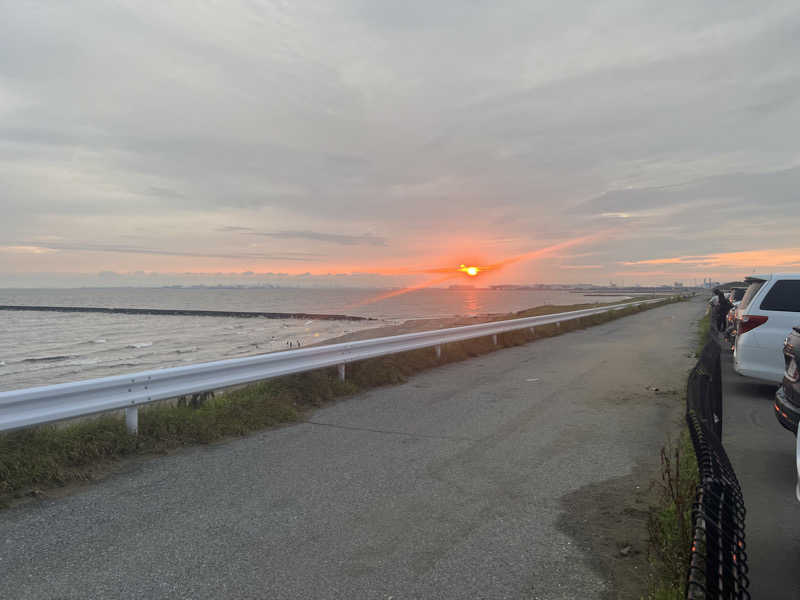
x=518 y=474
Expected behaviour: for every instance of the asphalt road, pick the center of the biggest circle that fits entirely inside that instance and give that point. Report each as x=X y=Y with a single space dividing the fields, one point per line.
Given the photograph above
x=505 y=476
x=763 y=456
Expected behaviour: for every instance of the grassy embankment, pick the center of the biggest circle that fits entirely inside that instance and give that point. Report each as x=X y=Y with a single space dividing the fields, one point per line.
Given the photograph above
x=49 y=456
x=670 y=522
x=703 y=331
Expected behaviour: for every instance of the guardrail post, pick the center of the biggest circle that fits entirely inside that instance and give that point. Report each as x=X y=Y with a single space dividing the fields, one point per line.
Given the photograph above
x=439 y=351
x=494 y=339
x=132 y=419
x=342 y=372
x=558 y=325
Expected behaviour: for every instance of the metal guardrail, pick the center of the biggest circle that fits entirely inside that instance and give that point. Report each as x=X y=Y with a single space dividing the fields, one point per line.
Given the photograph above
x=718 y=562
x=39 y=405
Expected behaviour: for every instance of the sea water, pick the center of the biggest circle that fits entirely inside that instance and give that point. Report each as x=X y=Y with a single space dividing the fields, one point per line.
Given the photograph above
x=42 y=348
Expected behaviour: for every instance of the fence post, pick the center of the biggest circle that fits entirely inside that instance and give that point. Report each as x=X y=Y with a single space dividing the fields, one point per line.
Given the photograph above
x=132 y=419
x=439 y=351
x=341 y=368
x=494 y=339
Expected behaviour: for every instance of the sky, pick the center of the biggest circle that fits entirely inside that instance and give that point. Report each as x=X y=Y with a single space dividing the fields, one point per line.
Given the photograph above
x=363 y=142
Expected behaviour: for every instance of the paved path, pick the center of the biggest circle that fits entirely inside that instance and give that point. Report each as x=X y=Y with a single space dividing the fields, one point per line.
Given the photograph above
x=763 y=456
x=462 y=483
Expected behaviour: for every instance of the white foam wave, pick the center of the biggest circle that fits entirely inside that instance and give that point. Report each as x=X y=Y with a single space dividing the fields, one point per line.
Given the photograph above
x=140 y=345
x=48 y=358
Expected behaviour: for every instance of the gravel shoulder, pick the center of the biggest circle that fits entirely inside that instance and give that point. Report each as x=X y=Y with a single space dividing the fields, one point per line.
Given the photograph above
x=510 y=475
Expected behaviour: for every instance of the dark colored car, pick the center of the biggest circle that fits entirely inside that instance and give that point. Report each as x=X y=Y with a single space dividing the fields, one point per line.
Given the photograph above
x=787 y=398
x=736 y=294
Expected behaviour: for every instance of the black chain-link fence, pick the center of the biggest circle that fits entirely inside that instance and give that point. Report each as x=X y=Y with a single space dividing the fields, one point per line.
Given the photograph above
x=718 y=567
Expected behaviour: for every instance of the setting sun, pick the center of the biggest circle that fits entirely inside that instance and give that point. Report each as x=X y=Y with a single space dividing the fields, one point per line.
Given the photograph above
x=471 y=271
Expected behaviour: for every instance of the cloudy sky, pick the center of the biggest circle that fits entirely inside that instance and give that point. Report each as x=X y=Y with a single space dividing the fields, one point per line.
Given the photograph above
x=386 y=138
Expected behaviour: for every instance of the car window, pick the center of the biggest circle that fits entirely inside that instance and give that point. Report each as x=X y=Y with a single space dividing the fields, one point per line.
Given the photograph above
x=738 y=294
x=751 y=291
x=784 y=296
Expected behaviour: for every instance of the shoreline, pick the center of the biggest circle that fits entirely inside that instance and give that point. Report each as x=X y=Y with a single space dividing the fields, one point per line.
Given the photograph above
x=69 y=365
x=432 y=323
x=186 y=312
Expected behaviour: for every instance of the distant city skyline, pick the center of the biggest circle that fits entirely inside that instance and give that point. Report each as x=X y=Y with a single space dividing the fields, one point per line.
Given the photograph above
x=266 y=280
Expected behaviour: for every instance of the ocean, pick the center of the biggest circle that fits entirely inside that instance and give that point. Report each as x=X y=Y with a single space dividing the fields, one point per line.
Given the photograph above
x=43 y=348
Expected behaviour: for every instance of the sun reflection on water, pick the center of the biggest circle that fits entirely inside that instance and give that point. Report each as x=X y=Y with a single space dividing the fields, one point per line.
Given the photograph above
x=471 y=302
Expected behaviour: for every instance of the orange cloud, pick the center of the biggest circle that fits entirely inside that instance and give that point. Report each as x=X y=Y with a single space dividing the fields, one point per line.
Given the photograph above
x=453 y=268
x=27 y=249
x=581 y=267
x=454 y=271
x=746 y=259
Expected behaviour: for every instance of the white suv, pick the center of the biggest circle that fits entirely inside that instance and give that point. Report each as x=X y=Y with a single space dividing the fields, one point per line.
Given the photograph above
x=765 y=316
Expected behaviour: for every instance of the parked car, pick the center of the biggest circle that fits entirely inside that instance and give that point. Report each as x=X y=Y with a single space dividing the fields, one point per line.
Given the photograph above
x=736 y=294
x=768 y=311
x=787 y=398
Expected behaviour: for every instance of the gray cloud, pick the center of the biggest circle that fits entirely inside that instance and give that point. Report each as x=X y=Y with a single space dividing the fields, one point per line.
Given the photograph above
x=723 y=213
x=234 y=229
x=333 y=238
x=124 y=249
x=428 y=123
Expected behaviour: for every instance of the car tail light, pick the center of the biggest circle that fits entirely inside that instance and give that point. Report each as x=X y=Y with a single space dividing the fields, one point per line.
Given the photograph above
x=750 y=322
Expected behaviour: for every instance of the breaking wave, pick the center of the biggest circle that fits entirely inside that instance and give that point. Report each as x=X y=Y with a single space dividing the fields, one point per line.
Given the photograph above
x=35 y=359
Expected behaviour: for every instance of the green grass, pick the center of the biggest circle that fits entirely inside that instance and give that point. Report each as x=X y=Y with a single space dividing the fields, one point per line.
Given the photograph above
x=51 y=456
x=670 y=521
x=703 y=329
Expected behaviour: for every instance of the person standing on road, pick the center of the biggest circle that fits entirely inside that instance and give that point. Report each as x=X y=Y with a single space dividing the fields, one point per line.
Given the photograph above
x=713 y=305
x=723 y=308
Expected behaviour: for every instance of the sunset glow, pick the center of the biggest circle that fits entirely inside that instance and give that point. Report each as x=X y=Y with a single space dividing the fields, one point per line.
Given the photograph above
x=449 y=273
x=385 y=167
x=471 y=271
x=769 y=259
